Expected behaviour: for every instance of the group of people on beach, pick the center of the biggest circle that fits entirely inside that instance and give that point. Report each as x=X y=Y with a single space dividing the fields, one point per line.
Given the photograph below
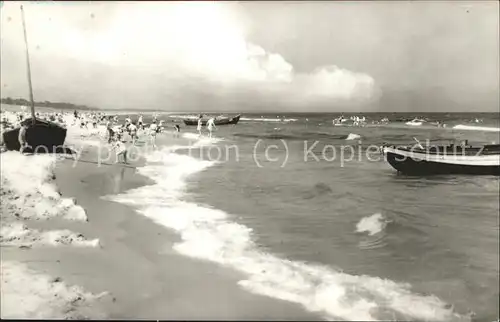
x=84 y=119
x=210 y=125
x=115 y=131
x=134 y=130
x=115 y=134
x=353 y=120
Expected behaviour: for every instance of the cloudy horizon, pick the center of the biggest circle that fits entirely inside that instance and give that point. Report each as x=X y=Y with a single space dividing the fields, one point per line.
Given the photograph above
x=260 y=56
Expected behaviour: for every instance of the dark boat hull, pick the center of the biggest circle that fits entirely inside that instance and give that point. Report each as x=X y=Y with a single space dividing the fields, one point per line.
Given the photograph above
x=410 y=166
x=226 y=121
x=43 y=137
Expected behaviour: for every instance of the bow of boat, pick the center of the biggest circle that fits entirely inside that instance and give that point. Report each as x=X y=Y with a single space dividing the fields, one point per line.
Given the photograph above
x=483 y=160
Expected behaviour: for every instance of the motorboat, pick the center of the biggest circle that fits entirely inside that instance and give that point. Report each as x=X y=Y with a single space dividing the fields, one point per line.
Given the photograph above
x=415 y=122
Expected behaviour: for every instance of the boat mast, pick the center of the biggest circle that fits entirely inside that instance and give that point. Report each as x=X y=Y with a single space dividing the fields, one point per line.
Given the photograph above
x=29 y=69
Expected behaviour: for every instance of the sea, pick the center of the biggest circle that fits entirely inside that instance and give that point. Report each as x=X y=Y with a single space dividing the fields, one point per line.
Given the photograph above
x=311 y=213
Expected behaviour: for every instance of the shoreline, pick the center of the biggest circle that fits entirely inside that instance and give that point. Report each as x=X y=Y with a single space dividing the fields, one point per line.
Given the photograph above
x=194 y=244
x=139 y=268
x=134 y=272
x=30 y=200
x=128 y=234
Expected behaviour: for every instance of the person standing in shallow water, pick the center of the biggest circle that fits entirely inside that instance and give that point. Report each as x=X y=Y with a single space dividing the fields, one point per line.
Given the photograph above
x=110 y=130
x=153 y=128
x=200 y=124
x=210 y=126
x=140 y=124
x=121 y=150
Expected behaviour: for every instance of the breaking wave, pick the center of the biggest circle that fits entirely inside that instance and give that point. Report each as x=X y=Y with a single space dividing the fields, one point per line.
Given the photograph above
x=476 y=128
x=211 y=234
x=372 y=225
x=353 y=136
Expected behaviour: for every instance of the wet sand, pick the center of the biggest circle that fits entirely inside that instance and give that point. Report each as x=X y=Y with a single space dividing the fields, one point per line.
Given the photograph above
x=135 y=262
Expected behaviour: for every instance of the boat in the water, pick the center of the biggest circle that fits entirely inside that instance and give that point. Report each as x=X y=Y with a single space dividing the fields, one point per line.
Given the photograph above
x=415 y=122
x=41 y=136
x=451 y=159
x=218 y=121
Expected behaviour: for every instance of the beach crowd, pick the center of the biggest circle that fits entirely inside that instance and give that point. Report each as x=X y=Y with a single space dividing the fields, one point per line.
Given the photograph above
x=117 y=131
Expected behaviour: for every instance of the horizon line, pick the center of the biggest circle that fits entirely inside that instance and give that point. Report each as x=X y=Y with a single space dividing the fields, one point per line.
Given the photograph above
x=83 y=107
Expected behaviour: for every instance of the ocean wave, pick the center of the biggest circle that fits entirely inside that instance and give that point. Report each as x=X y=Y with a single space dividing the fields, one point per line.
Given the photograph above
x=373 y=224
x=372 y=242
x=353 y=136
x=476 y=128
x=319 y=189
x=299 y=136
x=203 y=140
x=246 y=119
x=184 y=116
x=210 y=234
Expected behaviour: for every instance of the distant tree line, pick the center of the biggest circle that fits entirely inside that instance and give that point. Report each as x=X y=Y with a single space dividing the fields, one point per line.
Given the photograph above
x=58 y=105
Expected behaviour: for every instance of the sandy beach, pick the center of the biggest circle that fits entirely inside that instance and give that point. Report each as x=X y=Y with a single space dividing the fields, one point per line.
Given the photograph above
x=95 y=258
x=36 y=217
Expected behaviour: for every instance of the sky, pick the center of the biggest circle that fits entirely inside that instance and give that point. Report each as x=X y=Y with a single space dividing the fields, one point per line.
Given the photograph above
x=256 y=56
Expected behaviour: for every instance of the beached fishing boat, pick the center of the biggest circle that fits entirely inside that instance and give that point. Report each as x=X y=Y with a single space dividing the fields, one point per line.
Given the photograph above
x=41 y=136
x=218 y=121
x=451 y=159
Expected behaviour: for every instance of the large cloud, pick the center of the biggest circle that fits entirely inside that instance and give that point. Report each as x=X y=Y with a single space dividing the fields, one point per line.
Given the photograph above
x=124 y=54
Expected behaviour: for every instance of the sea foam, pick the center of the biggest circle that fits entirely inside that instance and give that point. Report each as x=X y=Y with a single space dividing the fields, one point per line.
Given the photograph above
x=28 y=294
x=267 y=119
x=211 y=234
x=476 y=128
x=373 y=224
x=18 y=234
x=353 y=136
x=29 y=188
